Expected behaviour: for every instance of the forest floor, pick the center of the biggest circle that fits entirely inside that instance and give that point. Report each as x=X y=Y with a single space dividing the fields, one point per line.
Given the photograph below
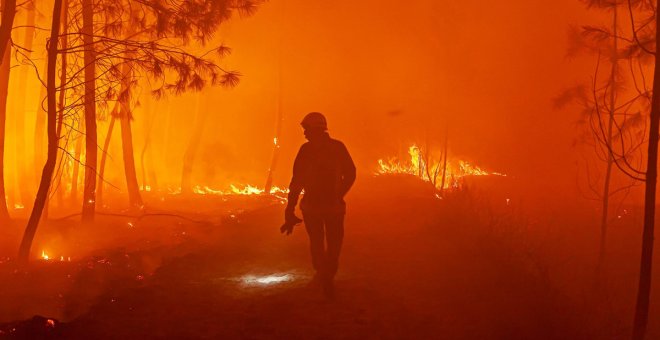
x=412 y=266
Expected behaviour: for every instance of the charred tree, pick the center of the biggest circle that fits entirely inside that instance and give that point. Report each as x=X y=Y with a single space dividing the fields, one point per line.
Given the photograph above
x=49 y=167
x=8 y=14
x=612 y=116
x=125 y=118
x=61 y=102
x=646 y=262
x=104 y=156
x=609 y=162
x=134 y=197
x=40 y=128
x=77 y=154
x=89 y=191
x=612 y=132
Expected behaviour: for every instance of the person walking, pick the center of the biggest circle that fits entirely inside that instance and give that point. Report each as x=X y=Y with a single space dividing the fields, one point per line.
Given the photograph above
x=325 y=171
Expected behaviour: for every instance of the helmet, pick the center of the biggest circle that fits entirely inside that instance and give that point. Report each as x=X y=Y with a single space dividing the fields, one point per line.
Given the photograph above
x=314 y=120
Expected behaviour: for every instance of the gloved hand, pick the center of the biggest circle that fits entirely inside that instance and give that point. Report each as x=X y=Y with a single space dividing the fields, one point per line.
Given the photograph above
x=290 y=221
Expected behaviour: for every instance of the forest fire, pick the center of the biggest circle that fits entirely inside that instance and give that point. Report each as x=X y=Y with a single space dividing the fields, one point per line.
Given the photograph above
x=243 y=169
x=441 y=172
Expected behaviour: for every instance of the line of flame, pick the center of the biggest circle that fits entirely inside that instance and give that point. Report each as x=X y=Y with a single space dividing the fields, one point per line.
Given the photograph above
x=416 y=165
x=237 y=190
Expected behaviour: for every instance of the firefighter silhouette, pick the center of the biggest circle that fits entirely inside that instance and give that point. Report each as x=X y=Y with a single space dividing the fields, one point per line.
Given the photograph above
x=325 y=171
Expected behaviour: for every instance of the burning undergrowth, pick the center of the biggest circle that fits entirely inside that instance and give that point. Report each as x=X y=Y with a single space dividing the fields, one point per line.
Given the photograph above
x=442 y=172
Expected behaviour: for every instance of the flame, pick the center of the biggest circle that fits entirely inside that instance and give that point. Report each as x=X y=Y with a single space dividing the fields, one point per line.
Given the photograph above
x=46 y=257
x=247 y=190
x=205 y=190
x=237 y=190
x=432 y=170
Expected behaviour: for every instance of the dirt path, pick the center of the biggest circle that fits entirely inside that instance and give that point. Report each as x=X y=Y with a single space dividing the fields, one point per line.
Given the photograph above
x=208 y=293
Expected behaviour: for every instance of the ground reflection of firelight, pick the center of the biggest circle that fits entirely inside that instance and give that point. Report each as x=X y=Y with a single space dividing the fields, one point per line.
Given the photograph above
x=253 y=280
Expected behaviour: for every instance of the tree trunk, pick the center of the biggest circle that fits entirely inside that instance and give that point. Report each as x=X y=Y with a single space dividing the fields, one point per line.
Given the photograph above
x=134 y=197
x=77 y=155
x=104 y=156
x=61 y=103
x=49 y=167
x=4 y=91
x=125 y=117
x=64 y=42
x=39 y=137
x=193 y=146
x=40 y=129
x=89 y=192
x=644 y=290
x=8 y=14
x=610 y=159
